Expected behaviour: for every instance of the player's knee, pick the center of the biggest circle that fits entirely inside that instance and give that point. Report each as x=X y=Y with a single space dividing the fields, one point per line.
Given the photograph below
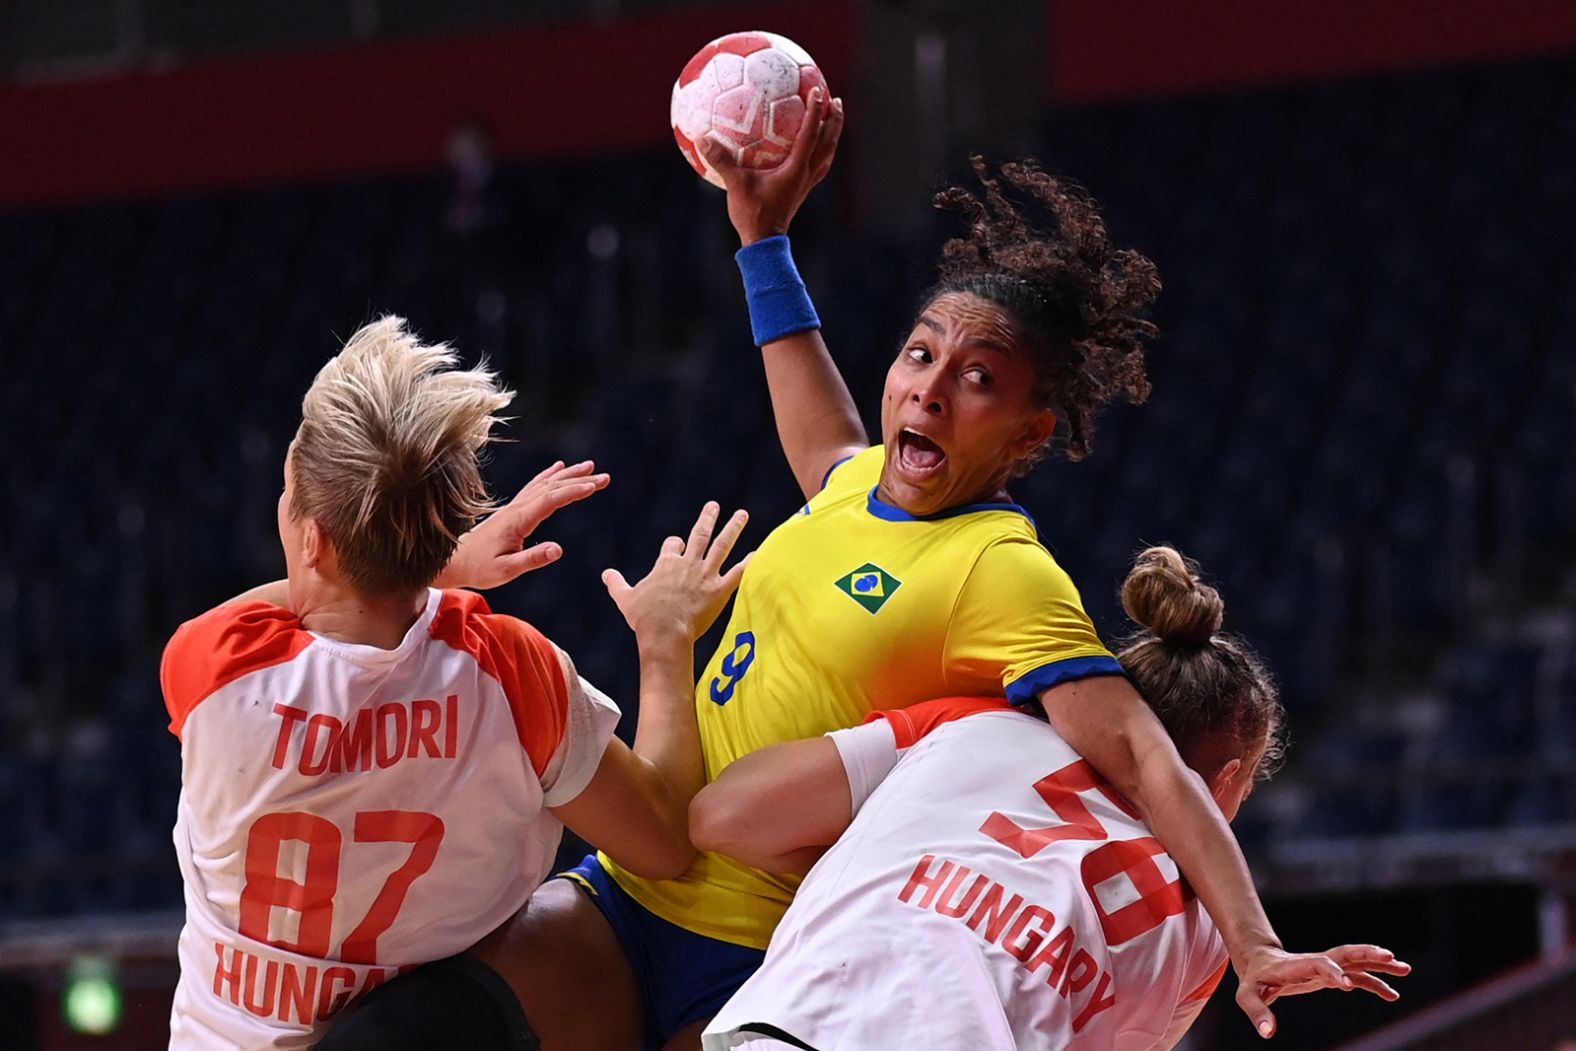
x=455 y=1003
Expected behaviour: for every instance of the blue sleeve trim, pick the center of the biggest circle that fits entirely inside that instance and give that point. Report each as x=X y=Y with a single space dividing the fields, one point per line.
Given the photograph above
x=827 y=477
x=779 y=305
x=1030 y=685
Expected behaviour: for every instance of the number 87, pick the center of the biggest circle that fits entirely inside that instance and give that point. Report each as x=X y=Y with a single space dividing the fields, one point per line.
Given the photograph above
x=313 y=898
x=1158 y=897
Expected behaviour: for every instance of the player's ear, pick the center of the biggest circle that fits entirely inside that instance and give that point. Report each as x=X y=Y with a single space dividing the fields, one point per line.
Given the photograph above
x=1220 y=784
x=315 y=544
x=1037 y=430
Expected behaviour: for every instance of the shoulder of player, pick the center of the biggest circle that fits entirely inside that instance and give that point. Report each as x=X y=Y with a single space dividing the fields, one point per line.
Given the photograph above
x=510 y=650
x=859 y=470
x=1011 y=536
x=1008 y=558
x=912 y=724
x=223 y=645
x=534 y=674
x=848 y=478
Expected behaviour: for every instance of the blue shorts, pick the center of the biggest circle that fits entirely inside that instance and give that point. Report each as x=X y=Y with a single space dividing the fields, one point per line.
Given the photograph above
x=684 y=977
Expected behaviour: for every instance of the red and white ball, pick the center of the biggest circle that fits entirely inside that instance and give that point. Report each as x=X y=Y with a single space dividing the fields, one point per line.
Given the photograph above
x=749 y=90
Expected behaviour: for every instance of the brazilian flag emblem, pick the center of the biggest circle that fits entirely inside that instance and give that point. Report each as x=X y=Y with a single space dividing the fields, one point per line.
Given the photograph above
x=869 y=585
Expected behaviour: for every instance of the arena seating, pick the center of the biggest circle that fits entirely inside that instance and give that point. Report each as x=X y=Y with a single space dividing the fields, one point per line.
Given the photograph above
x=1363 y=424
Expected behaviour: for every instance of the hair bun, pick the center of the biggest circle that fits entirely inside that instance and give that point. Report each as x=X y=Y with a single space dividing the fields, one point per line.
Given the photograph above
x=1164 y=594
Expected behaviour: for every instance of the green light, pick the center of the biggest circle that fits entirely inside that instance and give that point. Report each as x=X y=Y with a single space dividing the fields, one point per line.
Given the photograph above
x=91 y=1000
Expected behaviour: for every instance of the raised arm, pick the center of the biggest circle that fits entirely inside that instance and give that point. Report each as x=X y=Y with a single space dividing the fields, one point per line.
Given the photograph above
x=816 y=418
x=1108 y=723
x=637 y=805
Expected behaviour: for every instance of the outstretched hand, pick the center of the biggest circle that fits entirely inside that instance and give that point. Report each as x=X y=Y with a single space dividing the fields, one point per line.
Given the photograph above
x=1273 y=973
x=687 y=587
x=492 y=554
x=763 y=202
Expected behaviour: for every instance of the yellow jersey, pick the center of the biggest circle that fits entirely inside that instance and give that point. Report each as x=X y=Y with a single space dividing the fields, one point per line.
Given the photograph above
x=854 y=606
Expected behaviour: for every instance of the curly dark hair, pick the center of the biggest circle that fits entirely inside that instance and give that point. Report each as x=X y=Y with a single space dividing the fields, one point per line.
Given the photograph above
x=1074 y=299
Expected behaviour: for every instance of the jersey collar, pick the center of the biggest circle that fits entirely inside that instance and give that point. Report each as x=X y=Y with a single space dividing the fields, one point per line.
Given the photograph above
x=375 y=656
x=892 y=513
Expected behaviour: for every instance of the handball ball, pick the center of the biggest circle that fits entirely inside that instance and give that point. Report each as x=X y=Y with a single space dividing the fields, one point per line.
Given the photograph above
x=752 y=91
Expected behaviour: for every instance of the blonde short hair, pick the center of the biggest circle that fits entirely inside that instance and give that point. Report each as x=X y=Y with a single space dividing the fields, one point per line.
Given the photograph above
x=388 y=456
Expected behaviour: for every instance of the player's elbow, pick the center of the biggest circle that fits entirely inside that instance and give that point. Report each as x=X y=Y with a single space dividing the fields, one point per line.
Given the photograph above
x=720 y=823
x=666 y=854
x=668 y=864
x=667 y=851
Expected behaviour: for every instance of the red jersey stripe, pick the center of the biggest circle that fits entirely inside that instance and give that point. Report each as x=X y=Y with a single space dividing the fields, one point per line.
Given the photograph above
x=217 y=648
x=1207 y=988
x=911 y=724
x=521 y=659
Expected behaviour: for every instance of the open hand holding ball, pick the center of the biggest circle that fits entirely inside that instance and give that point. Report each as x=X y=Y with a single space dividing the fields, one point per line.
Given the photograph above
x=748 y=91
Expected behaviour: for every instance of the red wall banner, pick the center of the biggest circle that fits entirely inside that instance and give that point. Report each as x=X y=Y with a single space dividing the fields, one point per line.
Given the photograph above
x=597 y=88
x=1108 y=49
x=386 y=107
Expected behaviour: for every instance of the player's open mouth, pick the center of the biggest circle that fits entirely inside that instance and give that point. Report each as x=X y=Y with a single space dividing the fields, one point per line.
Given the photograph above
x=918 y=455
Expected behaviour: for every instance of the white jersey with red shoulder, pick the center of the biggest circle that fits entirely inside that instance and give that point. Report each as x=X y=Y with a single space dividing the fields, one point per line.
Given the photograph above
x=991 y=892
x=347 y=812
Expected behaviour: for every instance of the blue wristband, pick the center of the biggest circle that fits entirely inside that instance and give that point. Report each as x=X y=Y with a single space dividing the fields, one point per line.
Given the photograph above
x=779 y=304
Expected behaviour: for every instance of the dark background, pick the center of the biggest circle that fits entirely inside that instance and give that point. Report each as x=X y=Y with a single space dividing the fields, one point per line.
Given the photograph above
x=1363 y=421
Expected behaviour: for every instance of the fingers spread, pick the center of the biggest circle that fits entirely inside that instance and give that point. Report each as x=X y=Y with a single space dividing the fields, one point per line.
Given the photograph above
x=1368 y=983
x=557 y=471
x=542 y=476
x=1315 y=968
x=730 y=579
x=1360 y=955
x=614 y=581
x=576 y=470
x=562 y=494
x=722 y=547
x=554 y=488
x=700 y=532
